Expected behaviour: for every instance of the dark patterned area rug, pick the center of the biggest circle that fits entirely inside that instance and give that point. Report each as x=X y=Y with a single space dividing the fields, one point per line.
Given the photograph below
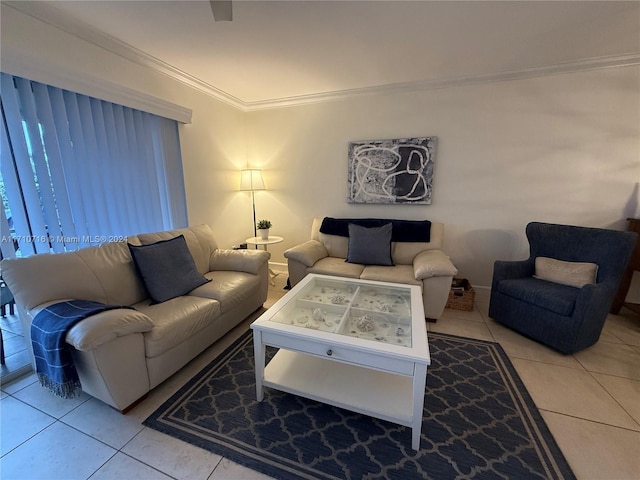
x=479 y=422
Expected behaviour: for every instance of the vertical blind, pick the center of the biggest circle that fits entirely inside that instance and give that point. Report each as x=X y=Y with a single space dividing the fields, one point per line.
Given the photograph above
x=77 y=171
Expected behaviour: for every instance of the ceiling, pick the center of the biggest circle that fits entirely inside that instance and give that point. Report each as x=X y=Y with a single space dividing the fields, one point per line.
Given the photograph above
x=287 y=50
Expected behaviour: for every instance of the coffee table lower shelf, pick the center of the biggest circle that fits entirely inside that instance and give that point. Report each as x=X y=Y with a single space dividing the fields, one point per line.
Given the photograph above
x=363 y=390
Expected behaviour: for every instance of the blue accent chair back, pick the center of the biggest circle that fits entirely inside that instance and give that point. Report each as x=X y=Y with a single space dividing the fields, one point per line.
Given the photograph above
x=563 y=317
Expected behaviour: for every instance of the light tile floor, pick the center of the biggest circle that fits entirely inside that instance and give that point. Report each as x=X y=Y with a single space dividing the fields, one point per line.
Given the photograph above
x=15 y=351
x=590 y=401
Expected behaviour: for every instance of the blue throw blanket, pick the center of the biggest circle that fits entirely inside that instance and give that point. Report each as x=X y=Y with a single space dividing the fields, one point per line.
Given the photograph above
x=54 y=363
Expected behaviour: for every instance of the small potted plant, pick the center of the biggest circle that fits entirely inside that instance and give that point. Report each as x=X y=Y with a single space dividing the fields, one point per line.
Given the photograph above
x=263 y=227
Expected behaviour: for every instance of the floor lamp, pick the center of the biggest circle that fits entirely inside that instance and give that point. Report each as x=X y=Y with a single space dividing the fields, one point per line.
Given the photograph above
x=250 y=181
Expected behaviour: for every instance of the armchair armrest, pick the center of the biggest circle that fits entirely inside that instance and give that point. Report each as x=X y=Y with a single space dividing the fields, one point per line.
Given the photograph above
x=594 y=300
x=589 y=315
x=433 y=263
x=504 y=269
x=307 y=253
x=105 y=326
x=248 y=261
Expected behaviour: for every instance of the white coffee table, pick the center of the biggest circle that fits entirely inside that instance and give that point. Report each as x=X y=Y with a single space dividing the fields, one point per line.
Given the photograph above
x=355 y=344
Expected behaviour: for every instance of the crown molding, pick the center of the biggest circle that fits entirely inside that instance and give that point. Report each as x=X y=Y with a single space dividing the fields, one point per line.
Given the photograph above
x=541 y=71
x=47 y=13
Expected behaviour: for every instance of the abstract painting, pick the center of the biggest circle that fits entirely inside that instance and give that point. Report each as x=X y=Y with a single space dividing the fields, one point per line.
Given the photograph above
x=398 y=171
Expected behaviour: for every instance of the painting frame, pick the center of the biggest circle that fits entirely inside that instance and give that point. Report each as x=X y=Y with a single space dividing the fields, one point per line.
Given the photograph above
x=394 y=171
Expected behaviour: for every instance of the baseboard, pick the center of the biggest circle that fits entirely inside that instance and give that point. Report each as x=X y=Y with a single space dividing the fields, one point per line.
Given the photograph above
x=278 y=267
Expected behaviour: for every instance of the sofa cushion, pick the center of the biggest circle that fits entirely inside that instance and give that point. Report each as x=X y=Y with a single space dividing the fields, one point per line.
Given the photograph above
x=575 y=274
x=403 y=253
x=551 y=296
x=229 y=288
x=395 y=274
x=113 y=266
x=370 y=246
x=335 y=245
x=167 y=268
x=336 y=266
x=176 y=320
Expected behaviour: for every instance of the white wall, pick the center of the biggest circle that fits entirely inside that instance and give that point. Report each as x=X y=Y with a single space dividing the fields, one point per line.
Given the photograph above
x=561 y=148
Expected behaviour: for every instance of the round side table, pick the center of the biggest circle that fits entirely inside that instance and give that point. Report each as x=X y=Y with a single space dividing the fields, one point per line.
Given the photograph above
x=271 y=240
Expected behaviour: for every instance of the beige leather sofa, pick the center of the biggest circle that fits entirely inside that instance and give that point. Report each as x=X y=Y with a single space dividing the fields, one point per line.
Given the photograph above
x=122 y=354
x=415 y=263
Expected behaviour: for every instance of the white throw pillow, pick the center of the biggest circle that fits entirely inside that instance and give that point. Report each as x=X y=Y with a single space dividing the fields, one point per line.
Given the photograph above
x=575 y=274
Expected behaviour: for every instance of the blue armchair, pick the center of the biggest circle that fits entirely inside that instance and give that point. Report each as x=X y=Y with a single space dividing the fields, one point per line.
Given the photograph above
x=564 y=317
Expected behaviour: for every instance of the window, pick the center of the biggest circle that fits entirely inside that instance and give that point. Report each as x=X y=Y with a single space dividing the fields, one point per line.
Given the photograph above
x=76 y=171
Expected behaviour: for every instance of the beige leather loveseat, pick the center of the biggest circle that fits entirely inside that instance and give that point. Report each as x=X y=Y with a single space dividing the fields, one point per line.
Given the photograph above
x=420 y=263
x=121 y=354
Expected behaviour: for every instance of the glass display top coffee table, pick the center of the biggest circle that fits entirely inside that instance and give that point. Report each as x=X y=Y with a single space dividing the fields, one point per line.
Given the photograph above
x=356 y=344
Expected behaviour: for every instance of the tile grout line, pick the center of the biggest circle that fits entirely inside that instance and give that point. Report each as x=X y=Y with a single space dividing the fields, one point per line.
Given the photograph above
x=589 y=420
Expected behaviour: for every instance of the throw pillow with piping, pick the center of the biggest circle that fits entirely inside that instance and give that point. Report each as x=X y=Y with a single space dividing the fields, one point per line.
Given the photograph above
x=167 y=268
x=370 y=246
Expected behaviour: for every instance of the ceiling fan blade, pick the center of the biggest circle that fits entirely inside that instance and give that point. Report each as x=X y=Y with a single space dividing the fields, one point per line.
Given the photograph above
x=222 y=10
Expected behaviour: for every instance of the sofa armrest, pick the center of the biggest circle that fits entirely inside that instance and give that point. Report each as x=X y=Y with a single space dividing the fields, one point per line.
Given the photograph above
x=105 y=326
x=433 y=263
x=248 y=261
x=307 y=253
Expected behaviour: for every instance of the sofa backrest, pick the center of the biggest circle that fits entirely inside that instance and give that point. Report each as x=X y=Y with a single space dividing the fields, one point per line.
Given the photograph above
x=402 y=253
x=105 y=273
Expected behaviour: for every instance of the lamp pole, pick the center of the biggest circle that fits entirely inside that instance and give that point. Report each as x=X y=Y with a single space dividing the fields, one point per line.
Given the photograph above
x=250 y=181
x=253 y=201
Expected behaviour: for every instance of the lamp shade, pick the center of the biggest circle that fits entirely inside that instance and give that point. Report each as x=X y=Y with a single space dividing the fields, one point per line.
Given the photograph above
x=251 y=179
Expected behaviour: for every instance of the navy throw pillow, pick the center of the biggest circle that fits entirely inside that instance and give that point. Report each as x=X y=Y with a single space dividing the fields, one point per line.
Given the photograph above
x=370 y=246
x=167 y=268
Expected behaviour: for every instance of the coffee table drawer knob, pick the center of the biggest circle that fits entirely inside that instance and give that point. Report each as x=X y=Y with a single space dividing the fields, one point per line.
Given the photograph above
x=329 y=352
